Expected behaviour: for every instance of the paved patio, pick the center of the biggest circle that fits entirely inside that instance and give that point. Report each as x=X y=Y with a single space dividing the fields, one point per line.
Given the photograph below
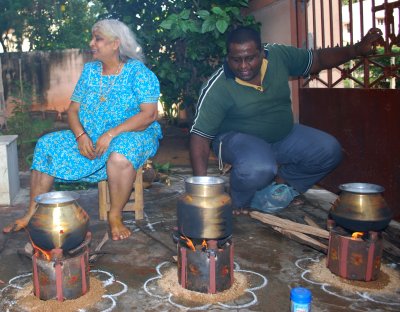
x=271 y=263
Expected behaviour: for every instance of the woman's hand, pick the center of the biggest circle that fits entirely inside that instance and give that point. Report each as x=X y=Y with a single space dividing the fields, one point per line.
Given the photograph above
x=103 y=143
x=85 y=146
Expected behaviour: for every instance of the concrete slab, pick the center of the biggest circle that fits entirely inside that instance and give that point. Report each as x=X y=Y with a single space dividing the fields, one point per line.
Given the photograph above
x=9 y=181
x=272 y=263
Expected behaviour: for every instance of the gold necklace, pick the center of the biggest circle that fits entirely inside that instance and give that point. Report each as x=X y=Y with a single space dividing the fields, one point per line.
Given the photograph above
x=103 y=97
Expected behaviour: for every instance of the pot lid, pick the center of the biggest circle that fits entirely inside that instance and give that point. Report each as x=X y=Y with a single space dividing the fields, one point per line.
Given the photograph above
x=204 y=180
x=362 y=188
x=56 y=197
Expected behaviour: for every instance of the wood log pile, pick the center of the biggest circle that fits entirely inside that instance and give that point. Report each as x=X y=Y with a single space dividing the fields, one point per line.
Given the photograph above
x=301 y=233
x=311 y=234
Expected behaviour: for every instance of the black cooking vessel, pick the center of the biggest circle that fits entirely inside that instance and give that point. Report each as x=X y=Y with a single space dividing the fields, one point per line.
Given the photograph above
x=361 y=207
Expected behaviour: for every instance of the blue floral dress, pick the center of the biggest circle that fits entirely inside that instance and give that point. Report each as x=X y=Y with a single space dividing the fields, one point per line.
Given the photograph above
x=57 y=153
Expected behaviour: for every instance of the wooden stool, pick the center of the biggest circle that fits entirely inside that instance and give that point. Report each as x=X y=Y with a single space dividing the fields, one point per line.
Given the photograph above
x=135 y=202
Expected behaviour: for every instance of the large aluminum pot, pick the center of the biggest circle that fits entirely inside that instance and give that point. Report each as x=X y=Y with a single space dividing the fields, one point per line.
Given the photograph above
x=59 y=221
x=361 y=207
x=204 y=211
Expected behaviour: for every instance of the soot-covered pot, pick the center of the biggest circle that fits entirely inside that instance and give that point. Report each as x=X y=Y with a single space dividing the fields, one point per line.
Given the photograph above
x=59 y=221
x=205 y=211
x=361 y=207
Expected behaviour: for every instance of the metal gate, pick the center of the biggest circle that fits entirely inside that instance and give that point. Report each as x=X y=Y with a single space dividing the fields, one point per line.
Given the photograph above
x=359 y=102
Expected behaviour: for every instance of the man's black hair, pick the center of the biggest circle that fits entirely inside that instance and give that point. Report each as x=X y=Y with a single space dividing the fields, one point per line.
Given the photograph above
x=244 y=34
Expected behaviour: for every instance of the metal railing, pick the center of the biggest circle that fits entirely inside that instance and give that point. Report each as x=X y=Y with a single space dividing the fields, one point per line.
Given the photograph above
x=330 y=23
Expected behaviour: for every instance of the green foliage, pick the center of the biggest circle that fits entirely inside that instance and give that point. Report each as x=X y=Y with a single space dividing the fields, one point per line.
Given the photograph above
x=193 y=46
x=184 y=41
x=377 y=72
x=162 y=167
x=378 y=69
x=47 y=24
x=12 y=22
x=73 y=186
x=21 y=124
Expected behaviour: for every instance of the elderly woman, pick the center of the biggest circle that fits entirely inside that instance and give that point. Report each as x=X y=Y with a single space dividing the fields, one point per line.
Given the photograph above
x=112 y=117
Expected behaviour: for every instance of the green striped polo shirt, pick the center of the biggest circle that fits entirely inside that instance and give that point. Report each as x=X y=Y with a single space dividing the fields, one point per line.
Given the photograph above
x=226 y=105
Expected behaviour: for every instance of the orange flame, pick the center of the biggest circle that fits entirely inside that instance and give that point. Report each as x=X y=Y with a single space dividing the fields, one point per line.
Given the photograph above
x=189 y=242
x=204 y=244
x=37 y=249
x=45 y=253
x=356 y=235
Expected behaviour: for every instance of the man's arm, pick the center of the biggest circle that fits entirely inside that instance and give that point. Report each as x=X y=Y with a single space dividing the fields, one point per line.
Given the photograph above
x=331 y=57
x=199 y=153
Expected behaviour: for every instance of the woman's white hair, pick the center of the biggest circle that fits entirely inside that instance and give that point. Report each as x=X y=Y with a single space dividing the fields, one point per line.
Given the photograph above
x=113 y=29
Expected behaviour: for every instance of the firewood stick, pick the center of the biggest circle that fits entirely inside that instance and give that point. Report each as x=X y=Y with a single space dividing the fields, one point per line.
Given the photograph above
x=389 y=247
x=311 y=222
x=303 y=239
x=289 y=225
x=94 y=257
x=103 y=241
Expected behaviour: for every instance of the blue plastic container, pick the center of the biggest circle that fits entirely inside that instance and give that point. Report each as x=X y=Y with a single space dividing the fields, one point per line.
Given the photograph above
x=300 y=300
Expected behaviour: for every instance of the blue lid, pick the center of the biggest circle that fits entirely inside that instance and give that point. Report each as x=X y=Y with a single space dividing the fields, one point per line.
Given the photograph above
x=300 y=295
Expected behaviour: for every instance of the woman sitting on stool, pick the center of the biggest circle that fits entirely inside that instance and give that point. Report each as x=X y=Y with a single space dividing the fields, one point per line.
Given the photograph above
x=112 y=117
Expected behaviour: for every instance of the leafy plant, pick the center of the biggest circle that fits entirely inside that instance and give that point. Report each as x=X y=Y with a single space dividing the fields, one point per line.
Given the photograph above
x=162 y=167
x=184 y=41
x=194 y=41
x=21 y=124
x=378 y=69
x=73 y=186
x=47 y=24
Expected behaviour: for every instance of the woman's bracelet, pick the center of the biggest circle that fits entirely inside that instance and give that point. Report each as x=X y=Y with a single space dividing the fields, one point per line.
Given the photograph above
x=79 y=135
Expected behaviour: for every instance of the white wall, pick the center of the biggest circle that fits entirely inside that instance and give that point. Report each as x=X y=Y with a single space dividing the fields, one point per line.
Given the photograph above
x=276 y=23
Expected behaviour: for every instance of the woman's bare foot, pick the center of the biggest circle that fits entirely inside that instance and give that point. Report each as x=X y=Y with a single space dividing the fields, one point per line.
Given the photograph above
x=118 y=230
x=18 y=224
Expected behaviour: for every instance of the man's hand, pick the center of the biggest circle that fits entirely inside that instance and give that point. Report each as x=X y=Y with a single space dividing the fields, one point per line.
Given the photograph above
x=369 y=42
x=199 y=152
x=330 y=57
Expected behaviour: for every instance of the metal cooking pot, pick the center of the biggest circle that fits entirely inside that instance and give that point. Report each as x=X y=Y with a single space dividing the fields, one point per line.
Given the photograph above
x=204 y=211
x=361 y=207
x=59 y=221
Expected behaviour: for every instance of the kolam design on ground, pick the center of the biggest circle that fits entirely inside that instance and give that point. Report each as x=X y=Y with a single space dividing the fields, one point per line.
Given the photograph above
x=384 y=291
x=242 y=293
x=104 y=291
